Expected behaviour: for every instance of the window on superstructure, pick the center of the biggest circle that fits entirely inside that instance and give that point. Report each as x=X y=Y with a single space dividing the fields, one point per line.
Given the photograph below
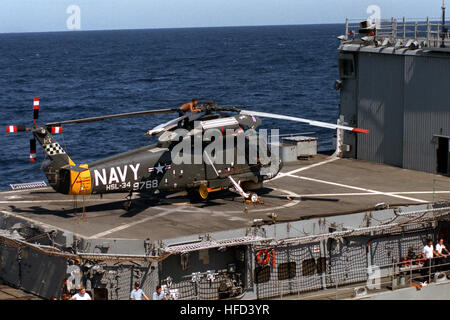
x=308 y=267
x=346 y=68
x=262 y=274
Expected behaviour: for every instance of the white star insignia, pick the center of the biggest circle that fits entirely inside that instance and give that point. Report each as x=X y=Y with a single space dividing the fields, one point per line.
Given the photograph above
x=159 y=168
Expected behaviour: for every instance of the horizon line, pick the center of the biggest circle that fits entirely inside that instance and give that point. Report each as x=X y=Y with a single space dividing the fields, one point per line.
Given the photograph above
x=170 y=28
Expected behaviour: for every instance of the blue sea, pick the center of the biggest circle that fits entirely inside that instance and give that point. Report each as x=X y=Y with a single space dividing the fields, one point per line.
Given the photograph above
x=282 y=69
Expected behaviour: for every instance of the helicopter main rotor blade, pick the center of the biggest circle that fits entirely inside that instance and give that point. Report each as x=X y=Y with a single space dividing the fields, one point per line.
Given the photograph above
x=311 y=122
x=172 y=123
x=165 y=126
x=111 y=116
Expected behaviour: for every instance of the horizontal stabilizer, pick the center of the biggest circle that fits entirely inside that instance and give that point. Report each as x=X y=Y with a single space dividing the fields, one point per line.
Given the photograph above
x=75 y=168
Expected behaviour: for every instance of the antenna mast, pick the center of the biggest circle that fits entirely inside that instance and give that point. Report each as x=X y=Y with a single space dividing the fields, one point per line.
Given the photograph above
x=444 y=29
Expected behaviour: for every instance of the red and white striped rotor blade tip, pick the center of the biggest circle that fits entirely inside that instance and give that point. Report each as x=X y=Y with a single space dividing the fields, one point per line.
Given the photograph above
x=19 y=128
x=35 y=109
x=36 y=103
x=32 y=150
x=57 y=130
x=310 y=122
x=11 y=129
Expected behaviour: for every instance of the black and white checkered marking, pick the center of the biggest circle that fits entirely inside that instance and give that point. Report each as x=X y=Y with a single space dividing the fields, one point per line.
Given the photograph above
x=53 y=148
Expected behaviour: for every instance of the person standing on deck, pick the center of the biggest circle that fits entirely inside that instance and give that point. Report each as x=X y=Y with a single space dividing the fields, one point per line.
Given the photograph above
x=427 y=253
x=137 y=293
x=82 y=295
x=442 y=258
x=158 y=294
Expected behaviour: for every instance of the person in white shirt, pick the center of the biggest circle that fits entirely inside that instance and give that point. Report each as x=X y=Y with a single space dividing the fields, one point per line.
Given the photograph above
x=158 y=294
x=82 y=295
x=137 y=293
x=427 y=253
x=442 y=258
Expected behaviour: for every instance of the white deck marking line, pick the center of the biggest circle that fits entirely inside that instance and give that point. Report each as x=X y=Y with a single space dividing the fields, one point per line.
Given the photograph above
x=45 y=225
x=367 y=193
x=281 y=174
x=357 y=188
x=131 y=224
x=419 y=192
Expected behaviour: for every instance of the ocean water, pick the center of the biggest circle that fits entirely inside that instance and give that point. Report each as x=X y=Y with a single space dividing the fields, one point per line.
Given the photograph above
x=282 y=69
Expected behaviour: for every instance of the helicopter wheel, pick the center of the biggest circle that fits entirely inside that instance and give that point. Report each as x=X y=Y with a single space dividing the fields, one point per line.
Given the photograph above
x=254 y=198
x=203 y=192
x=199 y=194
x=127 y=205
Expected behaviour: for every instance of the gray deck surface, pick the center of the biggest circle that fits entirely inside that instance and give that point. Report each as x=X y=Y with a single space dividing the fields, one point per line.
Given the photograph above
x=10 y=293
x=320 y=186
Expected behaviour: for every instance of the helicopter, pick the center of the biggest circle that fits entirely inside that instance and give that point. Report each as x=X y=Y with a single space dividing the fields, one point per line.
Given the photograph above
x=157 y=169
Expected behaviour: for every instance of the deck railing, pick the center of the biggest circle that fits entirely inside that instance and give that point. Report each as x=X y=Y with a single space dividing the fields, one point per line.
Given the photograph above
x=411 y=273
x=426 y=32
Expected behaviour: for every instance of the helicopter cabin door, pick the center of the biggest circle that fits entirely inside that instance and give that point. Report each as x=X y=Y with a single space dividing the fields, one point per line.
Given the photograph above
x=219 y=148
x=215 y=159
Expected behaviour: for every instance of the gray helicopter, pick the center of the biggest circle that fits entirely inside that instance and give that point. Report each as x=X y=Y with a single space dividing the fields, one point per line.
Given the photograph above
x=184 y=160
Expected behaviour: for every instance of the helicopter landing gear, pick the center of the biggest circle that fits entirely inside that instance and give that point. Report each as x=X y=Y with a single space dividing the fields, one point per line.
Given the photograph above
x=249 y=197
x=253 y=198
x=199 y=194
x=203 y=192
x=127 y=204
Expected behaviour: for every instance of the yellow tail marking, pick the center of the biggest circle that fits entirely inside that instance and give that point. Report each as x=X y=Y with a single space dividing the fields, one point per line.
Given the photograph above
x=80 y=182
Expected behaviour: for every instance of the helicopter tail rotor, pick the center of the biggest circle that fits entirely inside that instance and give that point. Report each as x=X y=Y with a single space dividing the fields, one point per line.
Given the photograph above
x=34 y=129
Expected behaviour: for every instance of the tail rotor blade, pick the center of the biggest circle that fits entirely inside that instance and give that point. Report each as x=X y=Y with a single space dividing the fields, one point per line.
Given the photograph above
x=36 y=109
x=32 y=150
x=56 y=129
x=11 y=129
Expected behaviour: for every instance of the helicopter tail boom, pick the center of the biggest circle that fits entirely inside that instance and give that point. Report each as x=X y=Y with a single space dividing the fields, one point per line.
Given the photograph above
x=62 y=173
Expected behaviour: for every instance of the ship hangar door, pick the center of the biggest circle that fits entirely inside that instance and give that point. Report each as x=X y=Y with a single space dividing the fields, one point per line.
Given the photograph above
x=443 y=155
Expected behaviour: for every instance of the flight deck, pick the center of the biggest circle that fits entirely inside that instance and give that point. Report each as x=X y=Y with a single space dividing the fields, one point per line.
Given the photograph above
x=318 y=187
